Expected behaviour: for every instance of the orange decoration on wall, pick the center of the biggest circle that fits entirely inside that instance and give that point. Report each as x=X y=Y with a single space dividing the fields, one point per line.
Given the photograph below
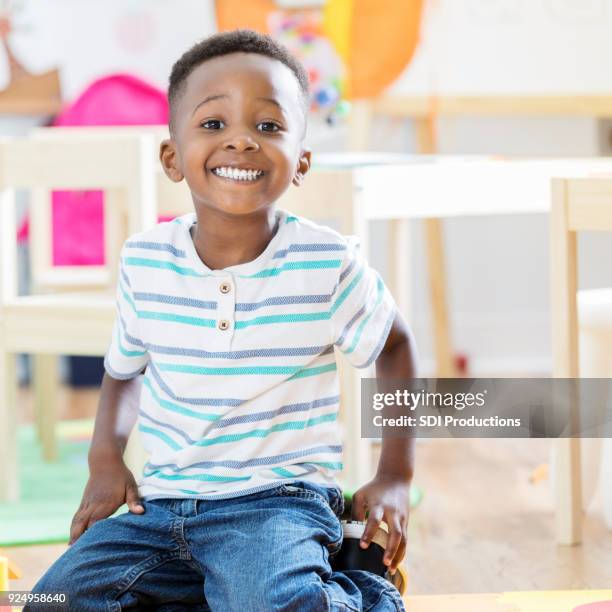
x=252 y=14
x=383 y=37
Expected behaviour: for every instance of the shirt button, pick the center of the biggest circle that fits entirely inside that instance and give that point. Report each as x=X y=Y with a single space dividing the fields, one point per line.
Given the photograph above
x=225 y=287
x=223 y=324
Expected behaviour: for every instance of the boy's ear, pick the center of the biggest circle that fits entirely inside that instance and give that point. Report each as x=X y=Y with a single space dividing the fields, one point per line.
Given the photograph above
x=168 y=158
x=302 y=168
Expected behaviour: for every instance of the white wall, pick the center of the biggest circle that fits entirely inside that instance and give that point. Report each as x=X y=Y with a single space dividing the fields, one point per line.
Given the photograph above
x=87 y=39
x=497 y=267
x=512 y=47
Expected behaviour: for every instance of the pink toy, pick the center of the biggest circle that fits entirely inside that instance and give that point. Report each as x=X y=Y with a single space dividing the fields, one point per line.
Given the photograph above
x=78 y=216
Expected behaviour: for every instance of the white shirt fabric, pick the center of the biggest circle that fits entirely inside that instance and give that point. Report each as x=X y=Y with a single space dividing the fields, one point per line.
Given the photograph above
x=240 y=390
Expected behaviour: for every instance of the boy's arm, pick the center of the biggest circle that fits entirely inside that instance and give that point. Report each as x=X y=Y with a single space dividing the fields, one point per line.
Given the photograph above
x=386 y=497
x=110 y=483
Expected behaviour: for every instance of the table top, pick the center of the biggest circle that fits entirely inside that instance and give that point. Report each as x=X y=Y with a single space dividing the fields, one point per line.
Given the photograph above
x=395 y=186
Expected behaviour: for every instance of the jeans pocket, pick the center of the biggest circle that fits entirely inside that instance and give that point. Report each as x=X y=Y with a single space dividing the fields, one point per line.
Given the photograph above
x=331 y=498
x=301 y=491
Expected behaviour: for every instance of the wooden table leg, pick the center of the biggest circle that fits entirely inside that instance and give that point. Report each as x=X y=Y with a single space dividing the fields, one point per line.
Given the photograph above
x=564 y=285
x=437 y=293
x=45 y=378
x=398 y=264
x=426 y=143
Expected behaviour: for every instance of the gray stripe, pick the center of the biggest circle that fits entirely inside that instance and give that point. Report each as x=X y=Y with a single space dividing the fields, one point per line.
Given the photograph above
x=166 y=426
x=348 y=326
x=117 y=375
x=283 y=300
x=172 y=299
x=251 y=462
x=343 y=275
x=156 y=246
x=347 y=270
x=308 y=470
x=277 y=482
x=269 y=414
x=381 y=342
x=124 y=276
x=308 y=248
x=299 y=351
x=126 y=335
x=195 y=401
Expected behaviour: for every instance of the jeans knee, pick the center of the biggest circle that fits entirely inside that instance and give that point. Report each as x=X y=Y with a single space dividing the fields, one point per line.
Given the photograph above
x=74 y=580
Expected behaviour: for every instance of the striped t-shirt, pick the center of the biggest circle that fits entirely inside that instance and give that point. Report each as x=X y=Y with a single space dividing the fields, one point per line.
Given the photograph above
x=240 y=390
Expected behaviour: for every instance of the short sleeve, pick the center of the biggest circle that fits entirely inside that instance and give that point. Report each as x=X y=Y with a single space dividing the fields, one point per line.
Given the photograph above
x=362 y=310
x=126 y=356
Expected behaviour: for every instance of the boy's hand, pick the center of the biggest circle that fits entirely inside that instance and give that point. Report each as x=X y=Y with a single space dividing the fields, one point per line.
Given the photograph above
x=109 y=487
x=385 y=499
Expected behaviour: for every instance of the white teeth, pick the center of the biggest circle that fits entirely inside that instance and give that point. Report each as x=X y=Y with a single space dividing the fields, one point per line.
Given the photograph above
x=237 y=174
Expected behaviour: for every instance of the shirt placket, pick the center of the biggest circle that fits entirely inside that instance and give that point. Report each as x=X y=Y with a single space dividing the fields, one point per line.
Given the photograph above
x=226 y=309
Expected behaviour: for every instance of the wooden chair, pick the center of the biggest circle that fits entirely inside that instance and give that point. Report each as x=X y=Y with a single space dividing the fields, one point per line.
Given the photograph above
x=581 y=204
x=48 y=325
x=172 y=199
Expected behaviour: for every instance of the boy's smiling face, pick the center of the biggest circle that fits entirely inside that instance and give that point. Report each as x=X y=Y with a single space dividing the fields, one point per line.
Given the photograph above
x=240 y=111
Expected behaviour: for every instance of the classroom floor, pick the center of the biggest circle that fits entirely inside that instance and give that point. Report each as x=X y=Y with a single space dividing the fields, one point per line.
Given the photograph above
x=482 y=525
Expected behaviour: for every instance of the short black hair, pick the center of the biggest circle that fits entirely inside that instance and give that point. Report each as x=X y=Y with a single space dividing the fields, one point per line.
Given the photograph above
x=234 y=41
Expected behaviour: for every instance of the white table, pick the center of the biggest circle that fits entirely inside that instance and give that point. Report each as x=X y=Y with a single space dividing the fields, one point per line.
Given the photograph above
x=399 y=188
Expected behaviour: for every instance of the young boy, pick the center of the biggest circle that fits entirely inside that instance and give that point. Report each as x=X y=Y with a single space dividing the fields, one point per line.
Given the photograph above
x=233 y=313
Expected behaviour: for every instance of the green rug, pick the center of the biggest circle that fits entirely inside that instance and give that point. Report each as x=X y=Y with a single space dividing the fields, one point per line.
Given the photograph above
x=50 y=492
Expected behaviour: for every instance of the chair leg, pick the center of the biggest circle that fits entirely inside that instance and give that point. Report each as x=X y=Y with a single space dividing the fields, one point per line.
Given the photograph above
x=45 y=379
x=9 y=476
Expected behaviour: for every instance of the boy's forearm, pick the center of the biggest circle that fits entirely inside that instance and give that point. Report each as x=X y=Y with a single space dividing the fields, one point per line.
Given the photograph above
x=397 y=361
x=114 y=420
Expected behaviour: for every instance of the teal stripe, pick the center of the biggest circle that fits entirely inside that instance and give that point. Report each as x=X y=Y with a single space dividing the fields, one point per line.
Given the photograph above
x=283 y=472
x=124 y=351
x=285 y=318
x=237 y=371
x=361 y=327
x=161 y=435
x=174 y=318
x=203 y=477
x=264 y=433
x=306 y=372
x=296 y=265
x=290 y=219
x=347 y=291
x=162 y=265
x=204 y=416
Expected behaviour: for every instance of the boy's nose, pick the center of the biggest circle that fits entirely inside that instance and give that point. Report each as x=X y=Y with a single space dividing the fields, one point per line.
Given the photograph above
x=241 y=142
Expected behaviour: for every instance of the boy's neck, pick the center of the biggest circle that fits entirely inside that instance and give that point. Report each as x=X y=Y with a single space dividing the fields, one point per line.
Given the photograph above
x=223 y=240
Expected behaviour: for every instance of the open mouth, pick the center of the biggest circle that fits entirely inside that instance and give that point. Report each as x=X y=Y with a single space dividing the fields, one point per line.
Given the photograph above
x=239 y=175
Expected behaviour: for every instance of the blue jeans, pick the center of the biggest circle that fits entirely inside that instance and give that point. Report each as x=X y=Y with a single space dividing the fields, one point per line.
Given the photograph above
x=260 y=552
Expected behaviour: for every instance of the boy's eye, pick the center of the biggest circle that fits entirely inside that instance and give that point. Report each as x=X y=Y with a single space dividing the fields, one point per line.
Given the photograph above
x=268 y=126
x=212 y=124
